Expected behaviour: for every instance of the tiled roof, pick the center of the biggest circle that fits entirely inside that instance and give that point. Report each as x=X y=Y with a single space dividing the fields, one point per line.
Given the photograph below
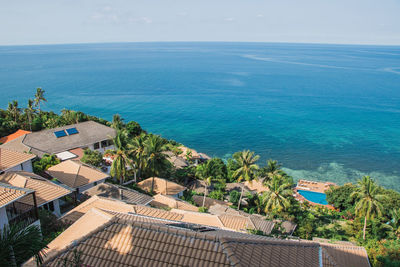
x=256 y=185
x=45 y=190
x=9 y=158
x=172 y=202
x=161 y=186
x=158 y=213
x=10 y=137
x=342 y=255
x=200 y=218
x=9 y=194
x=178 y=162
x=120 y=242
x=17 y=145
x=89 y=132
x=119 y=192
x=209 y=201
x=74 y=173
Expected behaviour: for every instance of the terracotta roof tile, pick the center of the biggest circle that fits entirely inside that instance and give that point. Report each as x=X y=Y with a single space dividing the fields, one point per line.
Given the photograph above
x=74 y=173
x=172 y=202
x=9 y=194
x=9 y=158
x=161 y=186
x=13 y=136
x=45 y=190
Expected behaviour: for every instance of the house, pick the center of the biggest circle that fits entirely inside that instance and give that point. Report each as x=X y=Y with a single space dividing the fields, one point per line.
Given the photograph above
x=113 y=239
x=162 y=186
x=13 y=136
x=88 y=134
x=15 y=161
x=164 y=201
x=48 y=194
x=77 y=175
x=176 y=161
x=17 y=205
x=118 y=192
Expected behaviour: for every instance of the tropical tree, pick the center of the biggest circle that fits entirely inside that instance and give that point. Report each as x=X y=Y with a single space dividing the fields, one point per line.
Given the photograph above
x=14 y=110
x=273 y=168
x=203 y=173
x=156 y=159
x=137 y=152
x=30 y=111
x=19 y=243
x=369 y=201
x=247 y=168
x=39 y=97
x=120 y=157
x=277 y=196
x=117 y=122
x=395 y=222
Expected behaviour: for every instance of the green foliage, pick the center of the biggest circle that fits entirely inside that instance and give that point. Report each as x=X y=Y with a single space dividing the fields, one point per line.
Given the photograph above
x=340 y=196
x=217 y=169
x=133 y=129
x=18 y=243
x=216 y=194
x=50 y=225
x=203 y=209
x=92 y=157
x=41 y=165
x=234 y=196
x=384 y=252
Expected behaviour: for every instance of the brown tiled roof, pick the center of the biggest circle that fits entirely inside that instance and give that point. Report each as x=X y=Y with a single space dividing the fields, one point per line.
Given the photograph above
x=158 y=213
x=114 y=191
x=178 y=162
x=9 y=194
x=238 y=223
x=342 y=255
x=200 y=218
x=10 y=158
x=74 y=173
x=45 y=190
x=161 y=186
x=172 y=202
x=121 y=242
x=209 y=201
x=17 y=145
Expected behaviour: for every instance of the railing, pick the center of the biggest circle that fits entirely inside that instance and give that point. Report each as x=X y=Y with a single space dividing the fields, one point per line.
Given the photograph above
x=27 y=217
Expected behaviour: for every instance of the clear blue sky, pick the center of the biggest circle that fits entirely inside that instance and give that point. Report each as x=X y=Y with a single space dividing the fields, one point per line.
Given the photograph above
x=308 y=21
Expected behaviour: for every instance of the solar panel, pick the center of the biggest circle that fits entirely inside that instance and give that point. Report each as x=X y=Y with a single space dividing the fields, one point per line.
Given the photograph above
x=59 y=134
x=71 y=131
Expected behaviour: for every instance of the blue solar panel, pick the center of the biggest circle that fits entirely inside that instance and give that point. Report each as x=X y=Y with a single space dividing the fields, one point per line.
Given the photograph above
x=72 y=131
x=59 y=134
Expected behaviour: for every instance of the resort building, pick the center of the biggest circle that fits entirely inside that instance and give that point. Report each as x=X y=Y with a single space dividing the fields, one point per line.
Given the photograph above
x=127 y=195
x=177 y=161
x=162 y=186
x=105 y=238
x=48 y=195
x=17 y=205
x=15 y=161
x=61 y=140
x=77 y=175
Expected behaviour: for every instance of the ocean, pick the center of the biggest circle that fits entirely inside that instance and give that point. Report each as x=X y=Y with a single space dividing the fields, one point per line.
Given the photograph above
x=326 y=112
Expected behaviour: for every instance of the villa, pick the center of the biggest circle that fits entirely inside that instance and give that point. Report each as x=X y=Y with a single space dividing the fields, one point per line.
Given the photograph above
x=162 y=186
x=48 y=194
x=77 y=175
x=15 y=161
x=61 y=140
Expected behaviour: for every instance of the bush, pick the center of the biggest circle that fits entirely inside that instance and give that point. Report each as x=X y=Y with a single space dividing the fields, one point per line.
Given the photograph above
x=203 y=209
x=234 y=196
x=216 y=194
x=44 y=163
x=133 y=129
x=50 y=225
x=91 y=157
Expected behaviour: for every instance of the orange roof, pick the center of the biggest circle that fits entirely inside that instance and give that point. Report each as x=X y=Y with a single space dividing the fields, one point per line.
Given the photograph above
x=10 y=137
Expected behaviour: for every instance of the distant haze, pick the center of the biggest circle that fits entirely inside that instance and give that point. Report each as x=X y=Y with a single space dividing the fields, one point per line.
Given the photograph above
x=306 y=21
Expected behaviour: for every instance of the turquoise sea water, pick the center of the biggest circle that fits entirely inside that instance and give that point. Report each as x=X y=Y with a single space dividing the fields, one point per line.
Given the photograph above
x=319 y=198
x=327 y=112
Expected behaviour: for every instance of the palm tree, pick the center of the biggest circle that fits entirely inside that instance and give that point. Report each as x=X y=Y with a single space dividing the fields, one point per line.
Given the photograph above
x=202 y=172
x=117 y=122
x=247 y=167
x=369 y=201
x=120 y=159
x=273 y=168
x=137 y=152
x=30 y=111
x=39 y=96
x=276 y=198
x=18 y=243
x=14 y=110
x=395 y=222
x=156 y=159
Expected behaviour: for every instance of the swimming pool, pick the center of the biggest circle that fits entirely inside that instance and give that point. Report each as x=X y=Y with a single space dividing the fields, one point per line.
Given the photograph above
x=315 y=197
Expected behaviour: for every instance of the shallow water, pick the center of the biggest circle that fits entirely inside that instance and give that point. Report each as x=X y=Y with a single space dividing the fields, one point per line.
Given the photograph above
x=326 y=112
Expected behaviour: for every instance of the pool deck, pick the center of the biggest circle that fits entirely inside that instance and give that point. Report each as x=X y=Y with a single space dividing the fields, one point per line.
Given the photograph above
x=319 y=187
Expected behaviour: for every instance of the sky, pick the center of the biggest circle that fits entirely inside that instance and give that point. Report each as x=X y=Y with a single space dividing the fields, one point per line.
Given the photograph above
x=25 y=22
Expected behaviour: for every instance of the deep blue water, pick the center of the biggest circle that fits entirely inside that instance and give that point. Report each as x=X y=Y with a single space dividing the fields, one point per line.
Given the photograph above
x=319 y=198
x=326 y=112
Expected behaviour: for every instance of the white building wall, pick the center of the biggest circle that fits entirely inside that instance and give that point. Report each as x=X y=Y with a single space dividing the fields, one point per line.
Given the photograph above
x=26 y=166
x=57 y=210
x=3 y=218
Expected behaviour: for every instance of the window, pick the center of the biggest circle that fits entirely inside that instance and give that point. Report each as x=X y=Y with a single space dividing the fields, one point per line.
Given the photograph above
x=96 y=145
x=51 y=206
x=104 y=143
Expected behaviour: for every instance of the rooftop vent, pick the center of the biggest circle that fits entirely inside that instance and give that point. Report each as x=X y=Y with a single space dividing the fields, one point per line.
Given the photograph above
x=59 y=134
